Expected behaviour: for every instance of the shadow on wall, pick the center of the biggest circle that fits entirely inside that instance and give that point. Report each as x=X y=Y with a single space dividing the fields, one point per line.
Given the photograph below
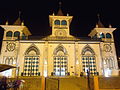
x=1 y=36
x=116 y=34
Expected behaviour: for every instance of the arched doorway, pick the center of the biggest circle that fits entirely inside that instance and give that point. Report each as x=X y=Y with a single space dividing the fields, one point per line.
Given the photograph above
x=89 y=60
x=60 y=61
x=31 y=62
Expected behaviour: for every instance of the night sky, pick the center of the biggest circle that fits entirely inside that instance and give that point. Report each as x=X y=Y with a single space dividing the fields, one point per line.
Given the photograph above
x=36 y=15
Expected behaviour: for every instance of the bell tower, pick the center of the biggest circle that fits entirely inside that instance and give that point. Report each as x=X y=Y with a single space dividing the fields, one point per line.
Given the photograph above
x=10 y=43
x=109 y=57
x=60 y=23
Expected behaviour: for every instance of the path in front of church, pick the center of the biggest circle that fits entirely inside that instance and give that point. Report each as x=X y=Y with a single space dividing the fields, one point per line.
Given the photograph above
x=69 y=83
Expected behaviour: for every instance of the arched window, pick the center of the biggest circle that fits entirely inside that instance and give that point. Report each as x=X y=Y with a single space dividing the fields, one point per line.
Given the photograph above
x=89 y=60
x=95 y=36
x=31 y=62
x=9 y=34
x=109 y=63
x=60 y=61
x=102 y=35
x=23 y=36
x=108 y=35
x=63 y=22
x=16 y=34
x=57 y=22
x=9 y=60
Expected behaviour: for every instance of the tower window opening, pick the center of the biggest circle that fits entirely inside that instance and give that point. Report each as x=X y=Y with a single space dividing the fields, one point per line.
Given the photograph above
x=9 y=34
x=108 y=35
x=23 y=36
x=16 y=34
x=102 y=35
x=63 y=22
x=57 y=22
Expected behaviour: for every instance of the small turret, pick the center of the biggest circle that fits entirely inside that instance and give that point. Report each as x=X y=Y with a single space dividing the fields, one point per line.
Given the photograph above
x=101 y=32
x=6 y=23
x=110 y=26
x=22 y=24
x=60 y=23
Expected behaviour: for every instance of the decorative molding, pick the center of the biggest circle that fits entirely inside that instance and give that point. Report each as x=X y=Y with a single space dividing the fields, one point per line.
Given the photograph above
x=34 y=48
x=60 y=48
x=87 y=48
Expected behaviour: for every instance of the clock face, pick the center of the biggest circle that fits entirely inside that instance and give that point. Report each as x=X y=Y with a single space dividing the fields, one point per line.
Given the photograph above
x=107 y=47
x=60 y=33
x=11 y=47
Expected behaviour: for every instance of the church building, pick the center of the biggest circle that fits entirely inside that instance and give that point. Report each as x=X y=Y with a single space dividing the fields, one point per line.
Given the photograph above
x=58 y=54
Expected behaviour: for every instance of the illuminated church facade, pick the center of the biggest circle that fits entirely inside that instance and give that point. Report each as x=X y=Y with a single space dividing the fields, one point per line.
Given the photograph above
x=59 y=54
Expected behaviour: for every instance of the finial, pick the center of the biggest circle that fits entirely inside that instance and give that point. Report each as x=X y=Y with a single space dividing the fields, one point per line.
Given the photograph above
x=53 y=14
x=67 y=14
x=99 y=23
x=19 y=14
x=60 y=13
x=98 y=15
x=96 y=25
x=22 y=24
x=6 y=23
x=60 y=4
x=110 y=26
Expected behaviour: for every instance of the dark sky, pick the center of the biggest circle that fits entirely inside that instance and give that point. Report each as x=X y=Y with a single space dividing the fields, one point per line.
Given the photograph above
x=36 y=15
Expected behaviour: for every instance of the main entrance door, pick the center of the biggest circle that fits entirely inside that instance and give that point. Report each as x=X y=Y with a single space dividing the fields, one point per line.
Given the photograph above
x=60 y=65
